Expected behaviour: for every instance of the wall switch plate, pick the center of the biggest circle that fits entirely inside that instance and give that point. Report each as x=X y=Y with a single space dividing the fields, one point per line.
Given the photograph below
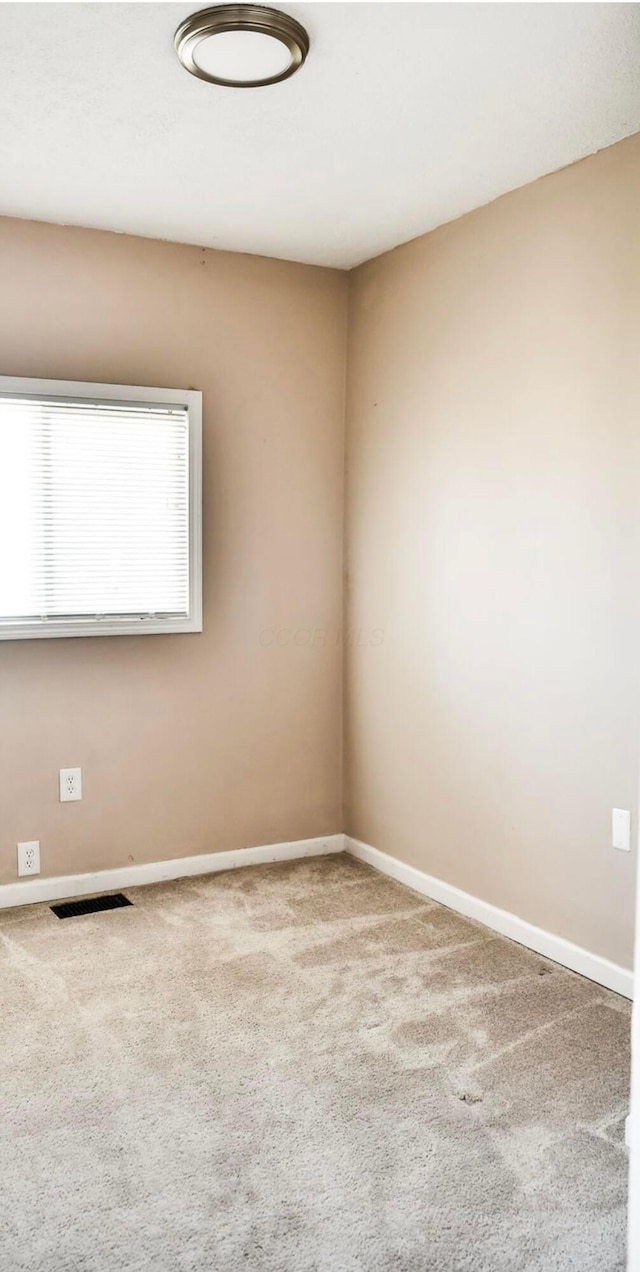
x=70 y=784
x=29 y=857
x=621 y=829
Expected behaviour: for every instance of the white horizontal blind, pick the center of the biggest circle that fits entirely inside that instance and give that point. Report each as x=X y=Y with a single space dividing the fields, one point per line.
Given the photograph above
x=94 y=509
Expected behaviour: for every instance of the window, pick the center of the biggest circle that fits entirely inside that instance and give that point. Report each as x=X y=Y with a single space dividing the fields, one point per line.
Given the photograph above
x=100 y=509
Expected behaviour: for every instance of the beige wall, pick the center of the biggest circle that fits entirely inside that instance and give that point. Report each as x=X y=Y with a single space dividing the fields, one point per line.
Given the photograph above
x=189 y=743
x=492 y=547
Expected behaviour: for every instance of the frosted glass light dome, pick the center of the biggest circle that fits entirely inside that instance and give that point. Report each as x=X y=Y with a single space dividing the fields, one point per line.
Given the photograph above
x=242 y=57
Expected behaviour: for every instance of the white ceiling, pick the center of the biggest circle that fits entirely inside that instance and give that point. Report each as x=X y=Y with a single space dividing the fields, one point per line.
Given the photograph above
x=404 y=116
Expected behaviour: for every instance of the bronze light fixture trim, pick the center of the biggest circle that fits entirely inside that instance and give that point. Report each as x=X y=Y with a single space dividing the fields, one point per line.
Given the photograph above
x=253 y=18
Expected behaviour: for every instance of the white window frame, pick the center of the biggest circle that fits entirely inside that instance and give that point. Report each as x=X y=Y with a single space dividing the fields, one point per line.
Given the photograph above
x=139 y=626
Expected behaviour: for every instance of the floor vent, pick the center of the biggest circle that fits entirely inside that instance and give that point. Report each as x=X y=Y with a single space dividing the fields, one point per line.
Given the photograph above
x=69 y=909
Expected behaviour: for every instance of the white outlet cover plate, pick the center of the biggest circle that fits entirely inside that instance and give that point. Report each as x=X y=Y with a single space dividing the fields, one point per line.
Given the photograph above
x=70 y=784
x=621 y=829
x=29 y=857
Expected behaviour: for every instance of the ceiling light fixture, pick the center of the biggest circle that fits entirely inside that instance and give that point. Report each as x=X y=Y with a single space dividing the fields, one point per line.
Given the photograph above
x=241 y=45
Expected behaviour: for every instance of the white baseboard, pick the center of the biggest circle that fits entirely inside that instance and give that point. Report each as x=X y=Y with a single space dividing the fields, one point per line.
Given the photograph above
x=550 y=946
x=62 y=886
x=556 y=948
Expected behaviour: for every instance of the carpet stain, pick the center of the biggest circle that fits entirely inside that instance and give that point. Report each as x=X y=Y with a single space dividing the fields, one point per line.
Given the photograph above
x=303 y=1067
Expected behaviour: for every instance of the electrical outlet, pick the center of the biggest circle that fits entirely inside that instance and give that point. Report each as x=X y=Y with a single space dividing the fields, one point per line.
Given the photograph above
x=70 y=784
x=29 y=857
x=621 y=829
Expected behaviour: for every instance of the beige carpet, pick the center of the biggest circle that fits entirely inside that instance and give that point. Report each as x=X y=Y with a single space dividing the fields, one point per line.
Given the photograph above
x=300 y=1068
